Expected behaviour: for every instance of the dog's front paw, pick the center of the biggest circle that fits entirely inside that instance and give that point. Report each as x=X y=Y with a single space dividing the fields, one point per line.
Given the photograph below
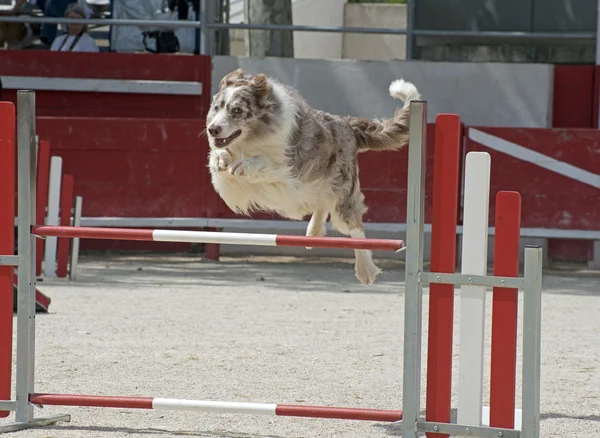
x=237 y=168
x=245 y=166
x=224 y=160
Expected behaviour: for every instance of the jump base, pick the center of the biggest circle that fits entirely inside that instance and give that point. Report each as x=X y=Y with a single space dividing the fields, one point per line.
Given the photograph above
x=36 y=422
x=42 y=301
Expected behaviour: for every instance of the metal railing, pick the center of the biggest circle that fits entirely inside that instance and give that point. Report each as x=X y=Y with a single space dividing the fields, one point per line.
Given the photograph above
x=207 y=28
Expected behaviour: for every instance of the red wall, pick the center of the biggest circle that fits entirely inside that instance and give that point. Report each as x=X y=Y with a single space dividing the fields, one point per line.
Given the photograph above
x=576 y=91
x=550 y=200
x=573 y=96
x=111 y=66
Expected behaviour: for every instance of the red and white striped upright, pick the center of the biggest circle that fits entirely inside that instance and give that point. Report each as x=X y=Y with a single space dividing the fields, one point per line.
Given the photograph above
x=221 y=407
x=218 y=237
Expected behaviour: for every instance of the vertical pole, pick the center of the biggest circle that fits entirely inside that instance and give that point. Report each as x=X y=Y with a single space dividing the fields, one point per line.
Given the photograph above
x=472 y=298
x=505 y=306
x=207 y=34
x=66 y=207
x=43 y=178
x=532 y=335
x=411 y=6
x=443 y=259
x=53 y=215
x=75 y=247
x=413 y=297
x=598 y=50
x=26 y=247
x=7 y=244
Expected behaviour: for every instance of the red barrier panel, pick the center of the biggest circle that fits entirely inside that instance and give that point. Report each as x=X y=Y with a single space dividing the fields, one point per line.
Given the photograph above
x=41 y=197
x=133 y=168
x=115 y=66
x=573 y=96
x=66 y=205
x=505 y=305
x=596 y=99
x=7 y=248
x=557 y=172
x=447 y=160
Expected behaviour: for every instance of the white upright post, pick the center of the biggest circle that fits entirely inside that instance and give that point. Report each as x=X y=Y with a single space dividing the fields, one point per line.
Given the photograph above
x=75 y=246
x=472 y=298
x=53 y=211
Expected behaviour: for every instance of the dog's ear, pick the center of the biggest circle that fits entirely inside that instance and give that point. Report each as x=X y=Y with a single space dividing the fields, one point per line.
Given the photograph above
x=230 y=78
x=261 y=84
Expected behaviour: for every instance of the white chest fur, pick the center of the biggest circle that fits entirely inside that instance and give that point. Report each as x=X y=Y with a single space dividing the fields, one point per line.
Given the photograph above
x=273 y=188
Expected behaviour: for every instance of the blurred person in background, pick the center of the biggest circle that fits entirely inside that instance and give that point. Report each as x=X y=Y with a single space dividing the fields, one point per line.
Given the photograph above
x=50 y=8
x=76 y=39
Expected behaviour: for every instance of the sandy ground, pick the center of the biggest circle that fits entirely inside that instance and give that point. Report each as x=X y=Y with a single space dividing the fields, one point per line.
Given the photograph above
x=270 y=331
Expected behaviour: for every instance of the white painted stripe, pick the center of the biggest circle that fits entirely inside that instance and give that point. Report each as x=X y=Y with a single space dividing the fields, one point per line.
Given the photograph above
x=190 y=88
x=472 y=298
x=215 y=237
x=522 y=153
x=485 y=417
x=53 y=212
x=214 y=406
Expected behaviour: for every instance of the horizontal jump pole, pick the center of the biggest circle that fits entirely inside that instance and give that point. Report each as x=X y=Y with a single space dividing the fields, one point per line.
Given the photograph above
x=217 y=237
x=101 y=401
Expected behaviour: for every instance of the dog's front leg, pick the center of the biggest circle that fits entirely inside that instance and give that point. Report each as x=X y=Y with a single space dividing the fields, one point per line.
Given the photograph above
x=257 y=167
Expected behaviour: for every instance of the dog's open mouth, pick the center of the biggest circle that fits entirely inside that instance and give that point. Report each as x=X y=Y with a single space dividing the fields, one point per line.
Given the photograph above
x=220 y=142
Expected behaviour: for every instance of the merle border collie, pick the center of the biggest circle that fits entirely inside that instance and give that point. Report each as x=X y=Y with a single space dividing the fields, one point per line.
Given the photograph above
x=270 y=151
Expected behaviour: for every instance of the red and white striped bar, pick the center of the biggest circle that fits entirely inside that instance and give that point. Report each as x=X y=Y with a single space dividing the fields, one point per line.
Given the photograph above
x=169 y=404
x=218 y=237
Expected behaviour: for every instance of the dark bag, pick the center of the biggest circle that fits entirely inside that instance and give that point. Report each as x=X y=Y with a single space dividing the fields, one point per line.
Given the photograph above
x=166 y=41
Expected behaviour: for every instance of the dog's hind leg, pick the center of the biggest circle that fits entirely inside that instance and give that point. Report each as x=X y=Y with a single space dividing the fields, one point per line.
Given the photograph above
x=347 y=219
x=316 y=226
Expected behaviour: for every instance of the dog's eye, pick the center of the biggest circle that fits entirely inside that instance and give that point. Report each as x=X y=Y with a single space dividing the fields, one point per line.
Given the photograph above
x=216 y=107
x=236 y=111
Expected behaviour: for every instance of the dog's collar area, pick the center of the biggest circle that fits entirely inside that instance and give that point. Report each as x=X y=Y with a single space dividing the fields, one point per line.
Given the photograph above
x=221 y=142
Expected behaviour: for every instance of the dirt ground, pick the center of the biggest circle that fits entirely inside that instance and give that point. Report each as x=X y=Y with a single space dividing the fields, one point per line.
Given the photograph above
x=274 y=331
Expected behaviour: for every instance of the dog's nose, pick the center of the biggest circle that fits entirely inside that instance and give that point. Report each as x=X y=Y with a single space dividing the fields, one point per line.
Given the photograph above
x=214 y=130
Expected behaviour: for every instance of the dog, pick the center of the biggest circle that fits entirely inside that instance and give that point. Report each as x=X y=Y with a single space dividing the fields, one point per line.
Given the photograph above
x=271 y=152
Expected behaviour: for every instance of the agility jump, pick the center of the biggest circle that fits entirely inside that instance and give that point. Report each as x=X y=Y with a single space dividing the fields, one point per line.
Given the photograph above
x=503 y=419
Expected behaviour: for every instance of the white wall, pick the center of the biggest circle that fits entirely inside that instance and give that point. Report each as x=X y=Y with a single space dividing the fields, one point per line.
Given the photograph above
x=321 y=45
x=490 y=94
x=371 y=46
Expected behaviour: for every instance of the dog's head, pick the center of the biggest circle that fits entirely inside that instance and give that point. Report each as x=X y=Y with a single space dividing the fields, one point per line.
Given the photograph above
x=240 y=109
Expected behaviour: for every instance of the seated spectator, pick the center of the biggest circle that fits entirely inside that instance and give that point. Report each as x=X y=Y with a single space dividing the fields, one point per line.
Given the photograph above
x=50 y=8
x=77 y=39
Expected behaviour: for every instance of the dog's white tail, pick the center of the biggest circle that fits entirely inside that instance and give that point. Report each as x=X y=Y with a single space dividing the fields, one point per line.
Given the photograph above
x=404 y=90
x=391 y=133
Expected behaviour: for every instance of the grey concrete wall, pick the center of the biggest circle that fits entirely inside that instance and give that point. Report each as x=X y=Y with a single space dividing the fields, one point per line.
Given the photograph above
x=490 y=94
x=374 y=15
